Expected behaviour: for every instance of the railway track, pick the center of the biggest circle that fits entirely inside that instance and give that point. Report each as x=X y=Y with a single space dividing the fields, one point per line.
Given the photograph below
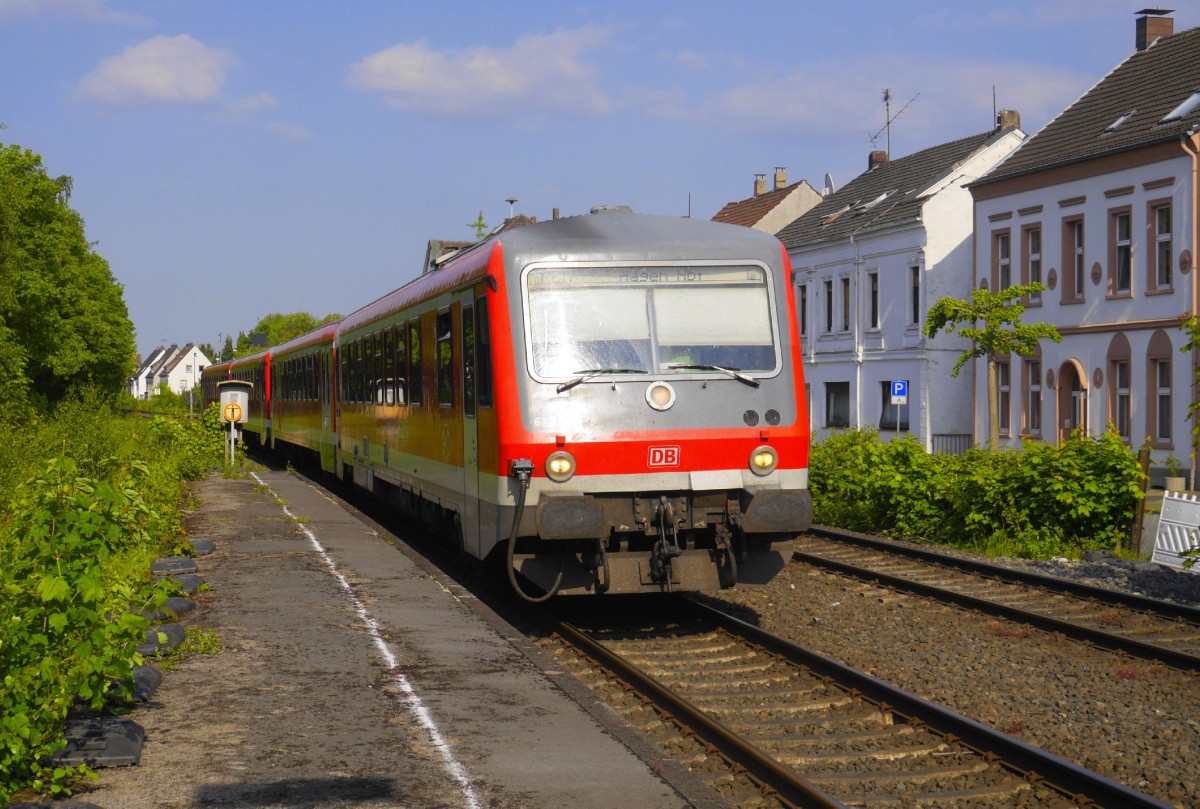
x=1121 y=622
x=794 y=728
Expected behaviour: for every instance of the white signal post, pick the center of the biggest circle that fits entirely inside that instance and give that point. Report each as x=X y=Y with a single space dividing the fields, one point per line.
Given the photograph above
x=235 y=404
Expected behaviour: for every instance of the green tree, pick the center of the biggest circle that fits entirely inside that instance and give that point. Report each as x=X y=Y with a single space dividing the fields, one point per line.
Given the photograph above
x=280 y=328
x=480 y=226
x=227 y=349
x=63 y=319
x=992 y=322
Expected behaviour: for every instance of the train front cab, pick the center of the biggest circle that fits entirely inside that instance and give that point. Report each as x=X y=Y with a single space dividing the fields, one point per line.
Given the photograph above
x=650 y=464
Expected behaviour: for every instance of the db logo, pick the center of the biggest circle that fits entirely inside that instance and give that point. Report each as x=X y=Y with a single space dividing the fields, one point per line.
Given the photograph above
x=664 y=456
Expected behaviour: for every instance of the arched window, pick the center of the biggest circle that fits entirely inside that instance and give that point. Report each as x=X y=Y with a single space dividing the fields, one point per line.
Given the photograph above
x=1120 y=387
x=1159 y=355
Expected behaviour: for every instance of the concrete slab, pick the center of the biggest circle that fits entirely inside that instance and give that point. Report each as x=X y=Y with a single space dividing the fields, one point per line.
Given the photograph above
x=349 y=676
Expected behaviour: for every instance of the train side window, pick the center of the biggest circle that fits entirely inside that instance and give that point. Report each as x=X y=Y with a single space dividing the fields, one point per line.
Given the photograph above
x=389 y=369
x=400 y=362
x=359 y=371
x=483 y=354
x=445 y=358
x=416 y=376
x=468 y=352
x=377 y=371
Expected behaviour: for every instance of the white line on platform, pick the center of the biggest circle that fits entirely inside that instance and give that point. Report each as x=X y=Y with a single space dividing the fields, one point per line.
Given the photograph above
x=415 y=704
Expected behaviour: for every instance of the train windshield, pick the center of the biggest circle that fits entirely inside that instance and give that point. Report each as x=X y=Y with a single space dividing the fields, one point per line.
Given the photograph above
x=672 y=319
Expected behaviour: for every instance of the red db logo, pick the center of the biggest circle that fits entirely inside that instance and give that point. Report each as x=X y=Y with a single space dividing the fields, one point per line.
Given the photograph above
x=664 y=456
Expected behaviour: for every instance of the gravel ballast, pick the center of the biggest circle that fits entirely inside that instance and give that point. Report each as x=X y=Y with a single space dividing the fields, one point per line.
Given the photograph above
x=1134 y=721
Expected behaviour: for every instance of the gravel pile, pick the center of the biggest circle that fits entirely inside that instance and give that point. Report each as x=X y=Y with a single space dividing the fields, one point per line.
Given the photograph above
x=1134 y=721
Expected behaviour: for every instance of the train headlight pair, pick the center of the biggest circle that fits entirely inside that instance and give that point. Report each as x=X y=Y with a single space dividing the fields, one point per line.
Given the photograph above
x=560 y=466
x=763 y=461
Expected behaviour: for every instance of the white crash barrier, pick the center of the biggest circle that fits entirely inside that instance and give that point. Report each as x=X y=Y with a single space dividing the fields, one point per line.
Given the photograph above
x=1178 y=529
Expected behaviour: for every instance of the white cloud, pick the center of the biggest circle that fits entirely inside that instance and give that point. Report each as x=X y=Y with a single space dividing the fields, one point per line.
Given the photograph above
x=293 y=132
x=244 y=109
x=539 y=72
x=954 y=98
x=92 y=10
x=172 y=69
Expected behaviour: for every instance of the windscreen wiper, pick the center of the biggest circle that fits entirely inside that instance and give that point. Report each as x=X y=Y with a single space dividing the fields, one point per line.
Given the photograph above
x=588 y=373
x=734 y=372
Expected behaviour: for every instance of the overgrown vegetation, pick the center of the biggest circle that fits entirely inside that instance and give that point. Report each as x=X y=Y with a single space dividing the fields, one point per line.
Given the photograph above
x=89 y=498
x=1040 y=501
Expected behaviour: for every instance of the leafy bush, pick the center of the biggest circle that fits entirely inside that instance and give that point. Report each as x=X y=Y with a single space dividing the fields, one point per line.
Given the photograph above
x=99 y=499
x=66 y=632
x=1040 y=501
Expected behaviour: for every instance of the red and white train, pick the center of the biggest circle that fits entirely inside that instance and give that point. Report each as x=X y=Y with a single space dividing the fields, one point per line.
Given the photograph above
x=612 y=402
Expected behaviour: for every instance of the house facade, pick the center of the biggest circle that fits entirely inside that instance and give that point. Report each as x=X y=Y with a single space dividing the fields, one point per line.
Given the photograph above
x=1100 y=206
x=771 y=211
x=868 y=262
x=178 y=368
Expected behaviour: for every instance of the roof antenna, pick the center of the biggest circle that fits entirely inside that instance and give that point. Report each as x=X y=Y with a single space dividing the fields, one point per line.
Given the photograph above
x=887 y=127
x=994 y=120
x=511 y=201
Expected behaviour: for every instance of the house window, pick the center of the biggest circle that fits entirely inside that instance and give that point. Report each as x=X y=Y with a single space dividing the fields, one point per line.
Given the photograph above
x=873 y=283
x=1121 y=246
x=914 y=286
x=1033 y=261
x=893 y=417
x=845 y=304
x=1002 y=249
x=1033 y=416
x=828 y=306
x=837 y=404
x=1162 y=247
x=1123 y=401
x=1073 y=260
x=1004 y=391
x=803 y=307
x=1162 y=395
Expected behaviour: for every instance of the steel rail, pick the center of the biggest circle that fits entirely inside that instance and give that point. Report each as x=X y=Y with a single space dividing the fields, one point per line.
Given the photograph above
x=787 y=783
x=1034 y=764
x=1117 y=598
x=1097 y=637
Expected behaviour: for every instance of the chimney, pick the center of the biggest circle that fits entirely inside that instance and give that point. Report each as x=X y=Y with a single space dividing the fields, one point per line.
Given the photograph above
x=780 y=177
x=1152 y=24
x=760 y=184
x=876 y=158
x=556 y=214
x=1008 y=119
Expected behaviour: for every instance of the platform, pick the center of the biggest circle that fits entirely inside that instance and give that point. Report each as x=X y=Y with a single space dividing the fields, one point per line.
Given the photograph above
x=352 y=676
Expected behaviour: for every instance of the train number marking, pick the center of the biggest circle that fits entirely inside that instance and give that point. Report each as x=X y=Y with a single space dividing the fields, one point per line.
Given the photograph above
x=663 y=456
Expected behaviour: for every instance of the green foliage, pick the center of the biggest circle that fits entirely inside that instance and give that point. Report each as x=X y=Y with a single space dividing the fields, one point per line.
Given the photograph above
x=279 y=328
x=1043 y=500
x=89 y=498
x=63 y=319
x=992 y=322
x=481 y=227
x=65 y=632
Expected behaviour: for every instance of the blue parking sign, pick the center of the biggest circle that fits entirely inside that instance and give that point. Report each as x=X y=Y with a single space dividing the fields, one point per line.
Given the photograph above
x=899 y=391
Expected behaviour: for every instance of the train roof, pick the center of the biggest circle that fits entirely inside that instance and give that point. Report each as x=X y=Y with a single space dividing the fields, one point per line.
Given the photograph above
x=610 y=233
x=615 y=233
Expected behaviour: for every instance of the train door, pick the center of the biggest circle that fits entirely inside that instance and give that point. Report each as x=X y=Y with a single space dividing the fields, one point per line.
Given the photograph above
x=469 y=516
x=325 y=395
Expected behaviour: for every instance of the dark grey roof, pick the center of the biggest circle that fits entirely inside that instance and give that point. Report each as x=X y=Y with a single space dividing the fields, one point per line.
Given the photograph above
x=1149 y=84
x=885 y=195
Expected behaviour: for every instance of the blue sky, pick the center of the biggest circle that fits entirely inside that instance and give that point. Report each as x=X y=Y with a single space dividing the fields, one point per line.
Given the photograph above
x=233 y=159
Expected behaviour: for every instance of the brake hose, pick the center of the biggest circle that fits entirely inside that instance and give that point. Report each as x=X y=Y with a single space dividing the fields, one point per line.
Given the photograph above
x=523 y=470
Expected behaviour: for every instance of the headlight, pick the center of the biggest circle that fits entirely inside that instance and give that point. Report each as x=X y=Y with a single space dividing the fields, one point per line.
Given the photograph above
x=560 y=466
x=660 y=396
x=763 y=461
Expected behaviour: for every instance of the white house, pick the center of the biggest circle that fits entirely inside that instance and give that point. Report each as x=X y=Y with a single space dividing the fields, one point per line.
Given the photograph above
x=1100 y=206
x=178 y=367
x=868 y=262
